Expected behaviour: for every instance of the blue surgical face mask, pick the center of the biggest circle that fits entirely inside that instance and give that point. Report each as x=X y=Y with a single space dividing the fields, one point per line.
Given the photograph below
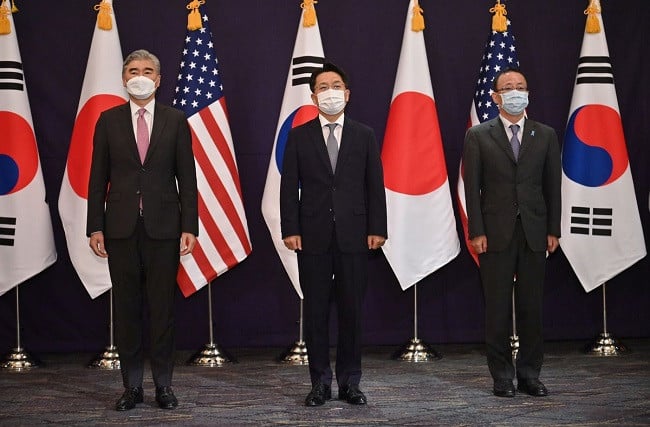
x=514 y=102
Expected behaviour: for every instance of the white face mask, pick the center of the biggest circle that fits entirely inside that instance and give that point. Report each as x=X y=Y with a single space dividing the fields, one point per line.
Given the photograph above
x=140 y=87
x=331 y=101
x=514 y=102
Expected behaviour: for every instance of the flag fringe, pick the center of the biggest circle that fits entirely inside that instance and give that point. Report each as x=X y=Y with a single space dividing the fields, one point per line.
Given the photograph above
x=417 y=22
x=309 y=18
x=499 y=22
x=14 y=8
x=104 y=21
x=194 y=21
x=593 y=25
x=5 y=26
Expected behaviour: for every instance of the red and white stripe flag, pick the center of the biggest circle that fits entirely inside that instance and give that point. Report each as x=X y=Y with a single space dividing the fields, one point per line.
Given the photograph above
x=26 y=239
x=223 y=230
x=297 y=108
x=601 y=227
x=421 y=222
x=102 y=89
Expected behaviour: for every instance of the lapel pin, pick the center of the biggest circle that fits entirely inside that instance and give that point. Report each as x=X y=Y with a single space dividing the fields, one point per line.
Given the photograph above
x=532 y=132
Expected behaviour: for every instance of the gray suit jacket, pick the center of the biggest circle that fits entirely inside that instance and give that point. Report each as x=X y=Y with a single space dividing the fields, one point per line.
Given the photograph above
x=497 y=188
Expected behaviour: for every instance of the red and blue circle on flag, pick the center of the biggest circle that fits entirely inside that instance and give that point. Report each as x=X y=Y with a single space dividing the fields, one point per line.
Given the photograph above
x=594 y=152
x=18 y=153
x=298 y=117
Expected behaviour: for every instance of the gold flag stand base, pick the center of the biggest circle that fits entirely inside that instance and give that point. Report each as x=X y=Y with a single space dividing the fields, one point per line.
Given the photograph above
x=109 y=359
x=296 y=354
x=19 y=360
x=606 y=345
x=211 y=356
x=416 y=351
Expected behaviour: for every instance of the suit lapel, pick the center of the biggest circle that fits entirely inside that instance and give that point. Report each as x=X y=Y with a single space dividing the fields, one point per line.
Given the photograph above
x=527 y=137
x=344 y=146
x=498 y=134
x=127 y=122
x=159 y=121
x=316 y=133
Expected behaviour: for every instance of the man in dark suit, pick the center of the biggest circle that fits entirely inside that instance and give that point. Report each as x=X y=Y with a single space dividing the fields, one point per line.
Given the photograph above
x=333 y=210
x=142 y=199
x=512 y=190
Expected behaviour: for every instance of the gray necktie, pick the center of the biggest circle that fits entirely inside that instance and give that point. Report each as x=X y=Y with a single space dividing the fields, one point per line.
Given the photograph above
x=332 y=146
x=514 y=141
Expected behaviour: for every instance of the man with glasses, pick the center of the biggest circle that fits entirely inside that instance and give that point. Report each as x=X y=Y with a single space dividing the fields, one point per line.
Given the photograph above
x=512 y=191
x=332 y=210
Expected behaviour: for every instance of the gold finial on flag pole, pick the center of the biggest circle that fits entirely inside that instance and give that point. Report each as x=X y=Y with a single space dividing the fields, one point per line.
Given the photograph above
x=14 y=8
x=499 y=22
x=194 y=21
x=417 y=22
x=104 y=21
x=593 y=25
x=5 y=26
x=309 y=18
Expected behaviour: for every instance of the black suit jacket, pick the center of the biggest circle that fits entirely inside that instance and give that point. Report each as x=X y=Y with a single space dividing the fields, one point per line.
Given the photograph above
x=497 y=187
x=353 y=198
x=118 y=179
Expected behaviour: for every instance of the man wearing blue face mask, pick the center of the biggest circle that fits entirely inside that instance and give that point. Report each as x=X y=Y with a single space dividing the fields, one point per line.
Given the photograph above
x=142 y=216
x=332 y=210
x=512 y=191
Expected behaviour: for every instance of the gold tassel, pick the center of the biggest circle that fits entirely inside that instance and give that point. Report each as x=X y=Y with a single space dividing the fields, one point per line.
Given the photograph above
x=417 y=22
x=309 y=19
x=499 y=22
x=593 y=25
x=5 y=26
x=14 y=8
x=104 y=20
x=194 y=21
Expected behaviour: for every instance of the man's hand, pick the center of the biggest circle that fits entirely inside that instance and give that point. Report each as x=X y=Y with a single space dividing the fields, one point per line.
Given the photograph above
x=188 y=241
x=479 y=244
x=97 y=244
x=375 y=242
x=552 y=243
x=293 y=243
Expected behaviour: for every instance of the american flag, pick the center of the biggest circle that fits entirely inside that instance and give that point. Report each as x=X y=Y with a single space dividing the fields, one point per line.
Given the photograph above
x=499 y=54
x=223 y=231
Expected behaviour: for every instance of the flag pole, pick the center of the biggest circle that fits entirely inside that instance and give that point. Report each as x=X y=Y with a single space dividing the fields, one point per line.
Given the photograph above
x=605 y=344
x=296 y=354
x=18 y=359
x=211 y=355
x=416 y=350
x=514 y=338
x=110 y=358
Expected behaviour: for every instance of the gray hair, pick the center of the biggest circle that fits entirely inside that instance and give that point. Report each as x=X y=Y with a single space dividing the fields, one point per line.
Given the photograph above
x=142 y=54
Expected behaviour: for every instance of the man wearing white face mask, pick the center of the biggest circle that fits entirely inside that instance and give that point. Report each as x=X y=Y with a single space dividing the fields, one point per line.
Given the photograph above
x=333 y=210
x=512 y=191
x=142 y=216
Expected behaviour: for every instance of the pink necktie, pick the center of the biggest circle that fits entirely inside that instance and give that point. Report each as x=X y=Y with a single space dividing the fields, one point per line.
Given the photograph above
x=142 y=136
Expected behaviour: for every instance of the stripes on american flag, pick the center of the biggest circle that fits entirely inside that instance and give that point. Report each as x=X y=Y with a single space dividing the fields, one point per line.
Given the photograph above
x=499 y=54
x=223 y=231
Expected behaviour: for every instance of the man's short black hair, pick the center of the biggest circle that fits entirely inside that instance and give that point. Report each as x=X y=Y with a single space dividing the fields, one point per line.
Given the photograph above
x=328 y=66
x=502 y=72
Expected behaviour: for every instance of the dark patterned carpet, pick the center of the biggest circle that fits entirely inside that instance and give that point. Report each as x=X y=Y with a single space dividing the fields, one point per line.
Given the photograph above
x=454 y=391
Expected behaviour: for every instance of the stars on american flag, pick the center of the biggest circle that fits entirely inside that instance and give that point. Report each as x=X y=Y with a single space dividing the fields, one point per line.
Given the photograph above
x=199 y=80
x=500 y=53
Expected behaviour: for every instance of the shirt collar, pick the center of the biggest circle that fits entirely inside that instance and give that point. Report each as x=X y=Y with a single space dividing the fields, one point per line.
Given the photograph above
x=324 y=121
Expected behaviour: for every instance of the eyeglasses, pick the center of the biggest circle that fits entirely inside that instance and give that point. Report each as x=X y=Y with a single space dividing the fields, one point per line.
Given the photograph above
x=508 y=89
x=335 y=86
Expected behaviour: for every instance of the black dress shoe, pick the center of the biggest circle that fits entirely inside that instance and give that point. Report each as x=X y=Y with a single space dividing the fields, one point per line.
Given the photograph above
x=318 y=395
x=165 y=398
x=352 y=395
x=129 y=399
x=532 y=386
x=503 y=388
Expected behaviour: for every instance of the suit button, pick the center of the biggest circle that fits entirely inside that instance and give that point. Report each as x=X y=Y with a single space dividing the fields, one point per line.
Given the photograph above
x=143 y=170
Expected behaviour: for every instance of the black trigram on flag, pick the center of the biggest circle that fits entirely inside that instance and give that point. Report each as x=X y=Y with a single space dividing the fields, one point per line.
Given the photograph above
x=595 y=70
x=591 y=221
x=7 y=231
x=11 y=76
x=302 y=67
